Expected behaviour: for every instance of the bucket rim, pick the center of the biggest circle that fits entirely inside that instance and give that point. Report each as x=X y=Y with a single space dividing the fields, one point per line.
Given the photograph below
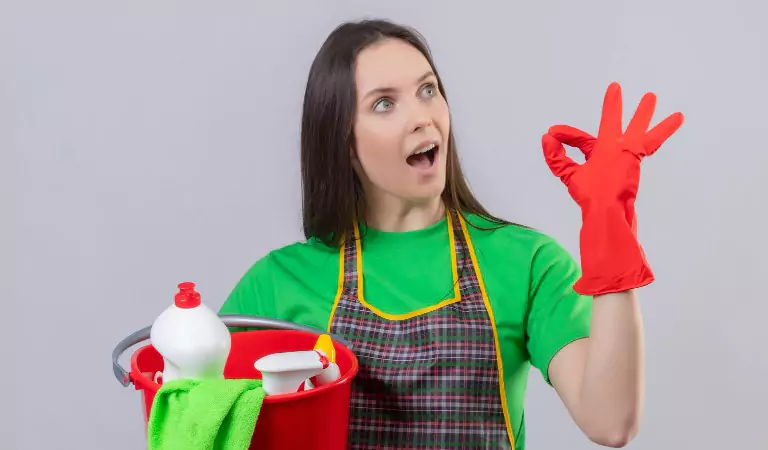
x=230 y=320
x=143 y=383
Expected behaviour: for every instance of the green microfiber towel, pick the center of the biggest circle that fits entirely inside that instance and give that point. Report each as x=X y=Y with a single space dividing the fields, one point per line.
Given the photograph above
x=205 y=415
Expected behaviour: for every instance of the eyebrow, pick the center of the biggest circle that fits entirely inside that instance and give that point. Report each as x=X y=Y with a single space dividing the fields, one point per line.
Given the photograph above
x=389 y=90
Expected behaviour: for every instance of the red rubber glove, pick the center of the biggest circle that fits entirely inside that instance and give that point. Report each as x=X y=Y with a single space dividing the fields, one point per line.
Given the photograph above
x=605 y=187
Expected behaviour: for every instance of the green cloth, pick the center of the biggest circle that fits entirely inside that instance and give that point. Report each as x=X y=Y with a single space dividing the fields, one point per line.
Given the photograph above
x=528 y=276
x=205 y=415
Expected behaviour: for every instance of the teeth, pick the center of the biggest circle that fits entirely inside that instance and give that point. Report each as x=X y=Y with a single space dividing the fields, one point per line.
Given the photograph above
x=425 y=149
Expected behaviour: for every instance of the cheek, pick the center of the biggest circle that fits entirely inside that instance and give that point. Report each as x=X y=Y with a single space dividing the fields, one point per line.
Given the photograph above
x=442 y=115
x=378 y=148
x=443 y=118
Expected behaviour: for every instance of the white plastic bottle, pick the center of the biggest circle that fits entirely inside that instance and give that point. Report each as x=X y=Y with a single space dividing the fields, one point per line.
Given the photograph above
x=191 y=338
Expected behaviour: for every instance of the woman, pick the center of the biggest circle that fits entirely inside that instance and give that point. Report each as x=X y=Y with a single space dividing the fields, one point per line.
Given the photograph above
x=448 y=306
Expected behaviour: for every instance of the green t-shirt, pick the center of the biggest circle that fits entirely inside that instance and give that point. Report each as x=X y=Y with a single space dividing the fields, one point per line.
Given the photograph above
x=528 y=277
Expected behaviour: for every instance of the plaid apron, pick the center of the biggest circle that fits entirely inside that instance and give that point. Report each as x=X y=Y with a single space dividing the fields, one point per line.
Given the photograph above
x=429 y=380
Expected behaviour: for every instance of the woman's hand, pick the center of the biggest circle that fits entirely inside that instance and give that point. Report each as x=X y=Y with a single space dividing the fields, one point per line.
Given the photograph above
x=600 y=379
x=605 y=187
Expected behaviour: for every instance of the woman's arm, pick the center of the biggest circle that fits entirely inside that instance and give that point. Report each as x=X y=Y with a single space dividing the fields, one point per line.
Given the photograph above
x=600 y=379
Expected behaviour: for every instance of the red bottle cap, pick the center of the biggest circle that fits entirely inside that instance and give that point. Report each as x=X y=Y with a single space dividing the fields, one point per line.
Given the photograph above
x=187 y=297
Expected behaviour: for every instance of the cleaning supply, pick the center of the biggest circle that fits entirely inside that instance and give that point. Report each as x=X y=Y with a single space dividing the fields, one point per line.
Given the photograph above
x=192 y=414
x=284 y=372
x=191 y=338
x=327 y=376
x=324 y=345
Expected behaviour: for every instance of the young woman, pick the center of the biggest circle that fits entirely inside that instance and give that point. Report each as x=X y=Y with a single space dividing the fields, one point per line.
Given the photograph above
x=448 y=306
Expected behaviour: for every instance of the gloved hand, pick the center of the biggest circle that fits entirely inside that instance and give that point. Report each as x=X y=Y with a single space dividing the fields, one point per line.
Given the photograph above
x=605 y=187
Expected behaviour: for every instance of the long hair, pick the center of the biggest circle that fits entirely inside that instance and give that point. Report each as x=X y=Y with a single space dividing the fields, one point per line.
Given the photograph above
x=332 y=194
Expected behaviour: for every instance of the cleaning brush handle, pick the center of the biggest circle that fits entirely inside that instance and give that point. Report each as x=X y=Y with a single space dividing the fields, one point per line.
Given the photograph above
x=230 y=320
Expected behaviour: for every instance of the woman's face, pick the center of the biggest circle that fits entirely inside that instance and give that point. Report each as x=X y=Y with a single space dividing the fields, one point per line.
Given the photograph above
x=401 y=126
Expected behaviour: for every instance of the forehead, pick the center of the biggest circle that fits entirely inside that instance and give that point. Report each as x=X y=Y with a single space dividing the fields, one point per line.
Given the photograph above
x=389 y=63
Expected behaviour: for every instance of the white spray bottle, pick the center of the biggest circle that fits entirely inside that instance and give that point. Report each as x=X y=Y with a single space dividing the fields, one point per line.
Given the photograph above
x=191 y=338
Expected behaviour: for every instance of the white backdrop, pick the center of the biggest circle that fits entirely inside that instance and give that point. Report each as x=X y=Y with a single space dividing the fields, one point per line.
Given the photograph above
x=146 y=143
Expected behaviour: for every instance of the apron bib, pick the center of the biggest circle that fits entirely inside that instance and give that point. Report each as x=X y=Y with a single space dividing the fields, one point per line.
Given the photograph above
x=429 y=379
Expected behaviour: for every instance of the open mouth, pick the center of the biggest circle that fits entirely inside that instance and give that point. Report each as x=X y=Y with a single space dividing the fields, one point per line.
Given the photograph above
x=423 y=158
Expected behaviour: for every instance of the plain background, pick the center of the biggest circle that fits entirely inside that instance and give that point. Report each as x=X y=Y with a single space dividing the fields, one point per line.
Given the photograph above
x=148 y=143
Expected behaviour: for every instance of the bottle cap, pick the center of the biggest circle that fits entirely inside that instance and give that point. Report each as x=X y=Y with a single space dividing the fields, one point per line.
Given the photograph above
x=187 y=297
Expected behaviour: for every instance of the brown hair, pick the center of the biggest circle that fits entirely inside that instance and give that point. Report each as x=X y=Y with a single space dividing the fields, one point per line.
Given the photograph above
x=331 y=190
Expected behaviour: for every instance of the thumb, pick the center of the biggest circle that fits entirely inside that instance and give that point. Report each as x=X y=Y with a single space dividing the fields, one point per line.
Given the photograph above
x=558 y=161
x=574 y=137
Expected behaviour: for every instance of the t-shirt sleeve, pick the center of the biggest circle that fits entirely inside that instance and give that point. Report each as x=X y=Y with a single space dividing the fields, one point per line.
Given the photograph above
x=558 y=315
x=252 y=295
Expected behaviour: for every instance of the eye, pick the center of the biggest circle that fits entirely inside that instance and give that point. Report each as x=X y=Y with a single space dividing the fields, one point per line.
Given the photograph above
x=429 y=90
x=383 y=105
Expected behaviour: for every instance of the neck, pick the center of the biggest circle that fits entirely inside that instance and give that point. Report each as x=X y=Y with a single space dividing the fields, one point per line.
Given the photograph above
x=394 y=215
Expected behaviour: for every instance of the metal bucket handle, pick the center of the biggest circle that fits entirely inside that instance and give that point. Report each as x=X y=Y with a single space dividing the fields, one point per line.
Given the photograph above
x=230 y=320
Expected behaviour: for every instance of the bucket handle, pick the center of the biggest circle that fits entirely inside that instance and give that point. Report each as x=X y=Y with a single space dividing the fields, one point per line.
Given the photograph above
x=230 y=320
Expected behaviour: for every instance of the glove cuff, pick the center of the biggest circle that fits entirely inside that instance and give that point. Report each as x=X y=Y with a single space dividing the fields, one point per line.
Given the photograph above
x=612 y=259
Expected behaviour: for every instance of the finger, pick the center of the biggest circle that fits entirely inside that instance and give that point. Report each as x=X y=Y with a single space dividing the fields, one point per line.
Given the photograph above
x=642 y=118
x=574 y=137
x=633 y=146
x=610 y=122
x=661 y=132
x=559 y=163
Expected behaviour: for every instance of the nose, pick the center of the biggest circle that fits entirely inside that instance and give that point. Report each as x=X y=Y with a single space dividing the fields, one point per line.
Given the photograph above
x=421 y=117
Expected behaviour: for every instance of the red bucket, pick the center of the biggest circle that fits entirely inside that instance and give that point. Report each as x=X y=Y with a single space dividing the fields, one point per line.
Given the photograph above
x=307 y=420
